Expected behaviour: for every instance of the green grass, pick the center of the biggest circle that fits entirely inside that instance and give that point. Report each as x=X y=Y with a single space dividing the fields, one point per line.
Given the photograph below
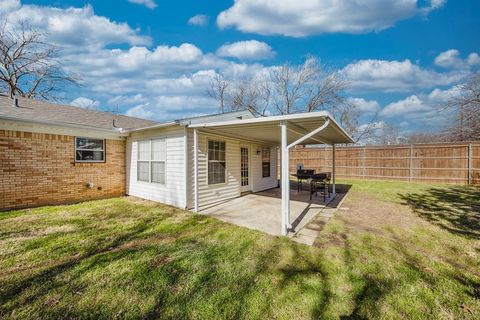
x=125 y=258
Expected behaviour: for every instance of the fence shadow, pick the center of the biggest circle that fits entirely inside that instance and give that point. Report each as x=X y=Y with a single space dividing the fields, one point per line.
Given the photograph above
x=456 y=208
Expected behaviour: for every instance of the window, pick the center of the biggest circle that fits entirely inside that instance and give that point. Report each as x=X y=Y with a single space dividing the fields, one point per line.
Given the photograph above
x=266 y=162
x=89 y=150
x=152 y=155
x=216 y=162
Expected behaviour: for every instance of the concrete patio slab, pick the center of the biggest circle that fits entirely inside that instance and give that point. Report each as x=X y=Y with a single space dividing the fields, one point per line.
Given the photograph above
x=262 y=211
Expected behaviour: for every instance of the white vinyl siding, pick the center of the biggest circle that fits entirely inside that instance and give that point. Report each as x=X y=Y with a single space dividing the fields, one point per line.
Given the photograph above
x=171 y=163
x=211 y=194
x=259 y=182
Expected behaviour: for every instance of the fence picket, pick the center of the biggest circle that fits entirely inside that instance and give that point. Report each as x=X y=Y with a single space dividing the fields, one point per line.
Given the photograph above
x=457 y=163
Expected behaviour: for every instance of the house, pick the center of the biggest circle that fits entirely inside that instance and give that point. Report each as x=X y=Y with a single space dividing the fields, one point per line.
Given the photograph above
x=52 y=153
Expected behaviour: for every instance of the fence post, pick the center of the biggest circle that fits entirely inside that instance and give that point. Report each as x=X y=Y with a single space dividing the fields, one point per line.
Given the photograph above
x=469 y=164
x=410 y=164
x=363 y=163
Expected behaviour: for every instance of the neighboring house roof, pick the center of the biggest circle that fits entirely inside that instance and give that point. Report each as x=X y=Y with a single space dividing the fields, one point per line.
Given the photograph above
x=41 y=111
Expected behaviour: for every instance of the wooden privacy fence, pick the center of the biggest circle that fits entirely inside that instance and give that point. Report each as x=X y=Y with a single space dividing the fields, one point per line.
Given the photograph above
x=456 y=163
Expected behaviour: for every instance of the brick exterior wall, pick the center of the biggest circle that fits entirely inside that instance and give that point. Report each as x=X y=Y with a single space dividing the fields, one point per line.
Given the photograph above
x=39 y=169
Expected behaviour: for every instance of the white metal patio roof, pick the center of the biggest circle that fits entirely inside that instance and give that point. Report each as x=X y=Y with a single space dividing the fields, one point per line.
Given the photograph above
x=268 y=128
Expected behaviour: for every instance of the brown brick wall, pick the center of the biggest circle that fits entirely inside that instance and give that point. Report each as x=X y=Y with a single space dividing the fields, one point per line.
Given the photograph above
x=39 y=169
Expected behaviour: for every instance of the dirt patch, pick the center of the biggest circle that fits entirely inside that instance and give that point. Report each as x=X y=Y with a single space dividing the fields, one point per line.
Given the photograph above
x=159 y=261
x=368 y=214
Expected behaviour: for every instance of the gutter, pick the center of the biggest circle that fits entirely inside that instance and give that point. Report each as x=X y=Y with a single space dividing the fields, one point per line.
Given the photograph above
x=118 y=131
x=155 y=126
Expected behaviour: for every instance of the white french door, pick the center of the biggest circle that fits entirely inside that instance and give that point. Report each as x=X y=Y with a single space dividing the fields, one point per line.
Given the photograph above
x=244 y=169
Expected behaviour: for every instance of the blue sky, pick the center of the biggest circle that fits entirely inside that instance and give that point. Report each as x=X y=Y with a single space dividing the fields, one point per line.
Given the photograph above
x=401 y=58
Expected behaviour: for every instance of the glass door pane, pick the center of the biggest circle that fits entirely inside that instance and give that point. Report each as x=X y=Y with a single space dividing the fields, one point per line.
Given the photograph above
x=244 y=166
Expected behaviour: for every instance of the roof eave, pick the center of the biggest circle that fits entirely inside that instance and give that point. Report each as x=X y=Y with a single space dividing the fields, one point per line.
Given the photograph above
x=298 y=116
x=67 y=125
x=155 y=126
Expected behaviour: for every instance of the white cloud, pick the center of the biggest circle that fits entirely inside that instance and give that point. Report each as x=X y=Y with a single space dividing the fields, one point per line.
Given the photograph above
x=74 y=28
x=174 y=107
x=451 y=59
x=441 y=96
x=365 y=106
x=85 y=103
x=147 y=3
x=198 y=20
x=423 y=110
x=302 y=18
x=376 y=125
x=409 y=105
x=394 y=76
x=9 y=5
x=246 y=50
x=473 y=59
x=127 y=100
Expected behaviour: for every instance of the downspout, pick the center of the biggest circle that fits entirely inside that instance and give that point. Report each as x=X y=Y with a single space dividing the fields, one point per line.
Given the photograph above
x=195 y=166
x=185 y=169
x=286 y=172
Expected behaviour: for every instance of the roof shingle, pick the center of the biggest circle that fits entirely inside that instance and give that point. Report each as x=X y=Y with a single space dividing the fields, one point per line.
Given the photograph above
x=36 y=110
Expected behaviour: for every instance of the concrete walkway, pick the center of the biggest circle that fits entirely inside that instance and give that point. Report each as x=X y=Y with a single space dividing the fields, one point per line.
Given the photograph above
x=262 y=211
x=310 y=230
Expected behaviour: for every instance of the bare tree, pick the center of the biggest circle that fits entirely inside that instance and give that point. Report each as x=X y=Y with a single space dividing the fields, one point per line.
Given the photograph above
x=465 y=106
x=251 y=94
x=384 y=134
x=305 y=88
x=218 y=90
x=29 y=66
x=290 y=89
x=423 y=137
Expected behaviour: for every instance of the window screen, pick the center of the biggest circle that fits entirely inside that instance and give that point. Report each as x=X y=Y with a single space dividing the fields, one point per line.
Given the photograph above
x=89 y=150
x=216 y=162
x=151 y=160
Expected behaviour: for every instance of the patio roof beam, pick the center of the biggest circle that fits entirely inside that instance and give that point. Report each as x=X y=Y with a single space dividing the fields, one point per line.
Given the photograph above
x=301 y=132
x=219 y=132
x=309 y=135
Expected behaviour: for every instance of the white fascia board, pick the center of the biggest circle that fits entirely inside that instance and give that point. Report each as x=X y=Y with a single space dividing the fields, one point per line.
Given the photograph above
x=14 y=124
x=287 y=117
x=114 y=131
x=155 y=126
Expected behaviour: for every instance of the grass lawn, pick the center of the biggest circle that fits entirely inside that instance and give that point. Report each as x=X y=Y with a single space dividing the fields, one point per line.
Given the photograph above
x=395 y=250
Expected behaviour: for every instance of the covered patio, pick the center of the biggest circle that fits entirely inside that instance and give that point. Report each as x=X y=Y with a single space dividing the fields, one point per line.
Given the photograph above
x=260 y=211
x=275 y=211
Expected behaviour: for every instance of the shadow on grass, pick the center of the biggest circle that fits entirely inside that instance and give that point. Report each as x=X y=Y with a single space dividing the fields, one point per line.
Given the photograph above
x=205 y=270
x=456 y=209
x=44 y=282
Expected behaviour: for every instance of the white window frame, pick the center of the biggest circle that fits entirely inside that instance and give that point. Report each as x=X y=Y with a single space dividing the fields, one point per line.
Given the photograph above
x=91 y=161
x=151 y=161
x=208 y=162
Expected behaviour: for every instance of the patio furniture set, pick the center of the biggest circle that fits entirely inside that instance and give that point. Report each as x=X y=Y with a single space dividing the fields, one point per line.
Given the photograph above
x=317 y=182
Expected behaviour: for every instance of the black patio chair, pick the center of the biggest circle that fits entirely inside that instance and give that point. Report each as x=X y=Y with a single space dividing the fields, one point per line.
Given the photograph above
x=320 y=182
